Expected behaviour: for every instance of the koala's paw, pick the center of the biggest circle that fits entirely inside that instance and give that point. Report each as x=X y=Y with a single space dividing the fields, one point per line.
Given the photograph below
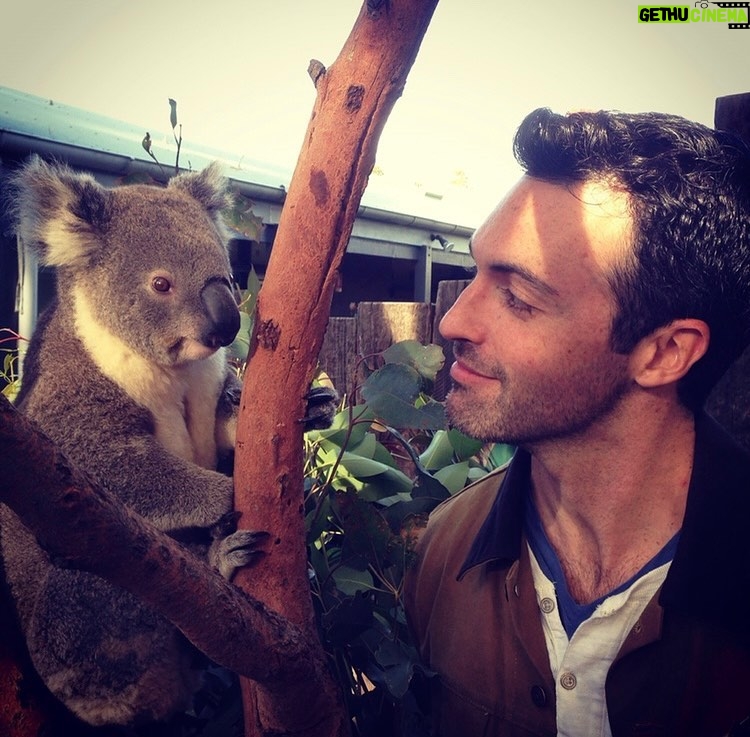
x=322 y=405
x=226 y=525
x=229 y=398
x=237 y=550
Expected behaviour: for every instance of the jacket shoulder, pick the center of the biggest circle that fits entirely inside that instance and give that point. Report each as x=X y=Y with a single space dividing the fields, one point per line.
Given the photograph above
x=473 y=501
x=454 y=523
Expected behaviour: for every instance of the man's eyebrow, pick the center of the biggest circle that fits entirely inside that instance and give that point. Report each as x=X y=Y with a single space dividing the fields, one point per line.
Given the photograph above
x=534 y=281
x=504 y=267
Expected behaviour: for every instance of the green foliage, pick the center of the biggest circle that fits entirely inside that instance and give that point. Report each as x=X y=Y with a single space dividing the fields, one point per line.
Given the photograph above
x=241 y=218
x=371 y=480
x=9 y=379
x=239 y=350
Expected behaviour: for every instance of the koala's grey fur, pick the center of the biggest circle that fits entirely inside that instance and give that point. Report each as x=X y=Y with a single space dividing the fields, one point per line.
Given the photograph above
x=126 y=376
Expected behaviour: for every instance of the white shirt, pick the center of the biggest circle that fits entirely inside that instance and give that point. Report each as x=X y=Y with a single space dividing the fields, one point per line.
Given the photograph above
x=580 y=665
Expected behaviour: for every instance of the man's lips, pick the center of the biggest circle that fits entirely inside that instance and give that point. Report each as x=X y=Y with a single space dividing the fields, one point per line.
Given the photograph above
x=462 y=373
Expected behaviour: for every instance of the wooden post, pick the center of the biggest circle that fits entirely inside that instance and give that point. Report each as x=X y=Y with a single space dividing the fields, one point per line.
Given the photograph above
x=447 y=294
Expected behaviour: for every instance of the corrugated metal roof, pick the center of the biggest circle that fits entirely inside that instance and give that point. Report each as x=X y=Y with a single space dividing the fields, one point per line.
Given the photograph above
x=94 y=141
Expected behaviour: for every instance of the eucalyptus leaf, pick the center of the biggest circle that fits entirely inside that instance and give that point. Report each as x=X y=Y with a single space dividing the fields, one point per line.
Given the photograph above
x=392 y=392
x=388 y=501
x=251 y=293
x=348 y=619
x=385 y=485
x=316 y=521
x=365 y=448
x=350 y=581
x=500 y=455
x=389 y=653
x=476 y=473
x=384 y=456
x=428 y=485
x=365 y=529
x=382 y=494
x=173 y=112
x=464 y=447
x=366 y=468
x=392 y=380
x=398 y=514
x=427 y=360
x=318 y=562
x=326 y=454
x=241 y=218
x=363 y=467
x=240 y=346
x=351 y=558
x=453 y=477
x=339 y=432
x=439 y=452
x=397 y=665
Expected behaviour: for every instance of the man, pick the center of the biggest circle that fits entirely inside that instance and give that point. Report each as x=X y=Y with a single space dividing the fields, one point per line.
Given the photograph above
x=600 y=585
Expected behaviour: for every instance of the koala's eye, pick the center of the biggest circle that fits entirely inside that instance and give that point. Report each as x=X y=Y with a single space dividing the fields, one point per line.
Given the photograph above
x=161 y=284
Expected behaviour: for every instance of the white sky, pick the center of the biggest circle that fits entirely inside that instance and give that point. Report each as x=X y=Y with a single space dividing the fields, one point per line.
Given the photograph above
x=238 y=70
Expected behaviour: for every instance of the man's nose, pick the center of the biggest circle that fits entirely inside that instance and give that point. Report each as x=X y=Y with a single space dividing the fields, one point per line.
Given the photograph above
x=463 y=319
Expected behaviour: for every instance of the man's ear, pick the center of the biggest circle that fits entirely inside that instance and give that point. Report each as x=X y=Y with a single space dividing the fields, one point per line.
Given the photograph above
x=667 y=354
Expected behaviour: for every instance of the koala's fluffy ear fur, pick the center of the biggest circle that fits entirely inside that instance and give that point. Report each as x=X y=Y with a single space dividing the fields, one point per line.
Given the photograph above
x=59 y=213
x=209 y=187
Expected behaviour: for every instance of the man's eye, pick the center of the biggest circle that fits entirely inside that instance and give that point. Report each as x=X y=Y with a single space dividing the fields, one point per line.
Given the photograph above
x=515 y=304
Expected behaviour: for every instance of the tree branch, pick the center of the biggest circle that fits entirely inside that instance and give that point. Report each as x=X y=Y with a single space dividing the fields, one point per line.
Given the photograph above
x=78 y=524
x=354 y=98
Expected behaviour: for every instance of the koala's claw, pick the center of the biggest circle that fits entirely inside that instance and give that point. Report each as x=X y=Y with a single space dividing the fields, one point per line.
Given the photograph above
x=237 y=550
x=322 y=404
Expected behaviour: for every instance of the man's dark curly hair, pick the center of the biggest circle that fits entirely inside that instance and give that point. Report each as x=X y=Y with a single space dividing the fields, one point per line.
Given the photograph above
x=689 y=188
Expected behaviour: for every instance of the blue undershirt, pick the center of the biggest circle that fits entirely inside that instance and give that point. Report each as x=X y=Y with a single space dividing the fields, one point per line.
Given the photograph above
x=571 y=612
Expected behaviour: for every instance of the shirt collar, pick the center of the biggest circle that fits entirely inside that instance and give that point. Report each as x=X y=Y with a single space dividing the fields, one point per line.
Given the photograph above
x=499 y=538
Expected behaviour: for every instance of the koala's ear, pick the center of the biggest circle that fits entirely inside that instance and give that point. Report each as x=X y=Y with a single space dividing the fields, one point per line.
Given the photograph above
x=209 y=187
x=58 y=212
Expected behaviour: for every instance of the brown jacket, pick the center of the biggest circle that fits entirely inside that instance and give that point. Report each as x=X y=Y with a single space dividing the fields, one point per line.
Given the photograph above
x=684 y=669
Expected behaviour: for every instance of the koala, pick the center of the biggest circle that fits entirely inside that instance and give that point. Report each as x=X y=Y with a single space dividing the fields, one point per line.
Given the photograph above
x=127 y=373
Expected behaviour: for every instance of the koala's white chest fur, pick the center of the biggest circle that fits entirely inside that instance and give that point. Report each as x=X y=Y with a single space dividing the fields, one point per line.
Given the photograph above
x=181 y=399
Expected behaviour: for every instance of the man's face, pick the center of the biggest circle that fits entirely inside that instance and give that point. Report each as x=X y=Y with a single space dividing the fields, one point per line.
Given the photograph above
x=531 y=331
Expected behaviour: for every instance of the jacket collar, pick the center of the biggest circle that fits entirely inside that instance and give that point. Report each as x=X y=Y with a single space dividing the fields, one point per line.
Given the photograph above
x=499 y=537
x=710 y=574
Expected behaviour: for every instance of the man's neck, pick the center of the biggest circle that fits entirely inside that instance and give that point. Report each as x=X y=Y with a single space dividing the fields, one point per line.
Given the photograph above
x=610 y=500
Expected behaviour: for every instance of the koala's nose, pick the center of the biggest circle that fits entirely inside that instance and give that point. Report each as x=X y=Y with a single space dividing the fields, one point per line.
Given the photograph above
x=222 y=312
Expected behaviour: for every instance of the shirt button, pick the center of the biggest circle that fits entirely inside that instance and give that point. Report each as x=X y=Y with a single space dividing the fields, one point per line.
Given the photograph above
x=547 y=605
x=538 y=696
x=568 y=681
